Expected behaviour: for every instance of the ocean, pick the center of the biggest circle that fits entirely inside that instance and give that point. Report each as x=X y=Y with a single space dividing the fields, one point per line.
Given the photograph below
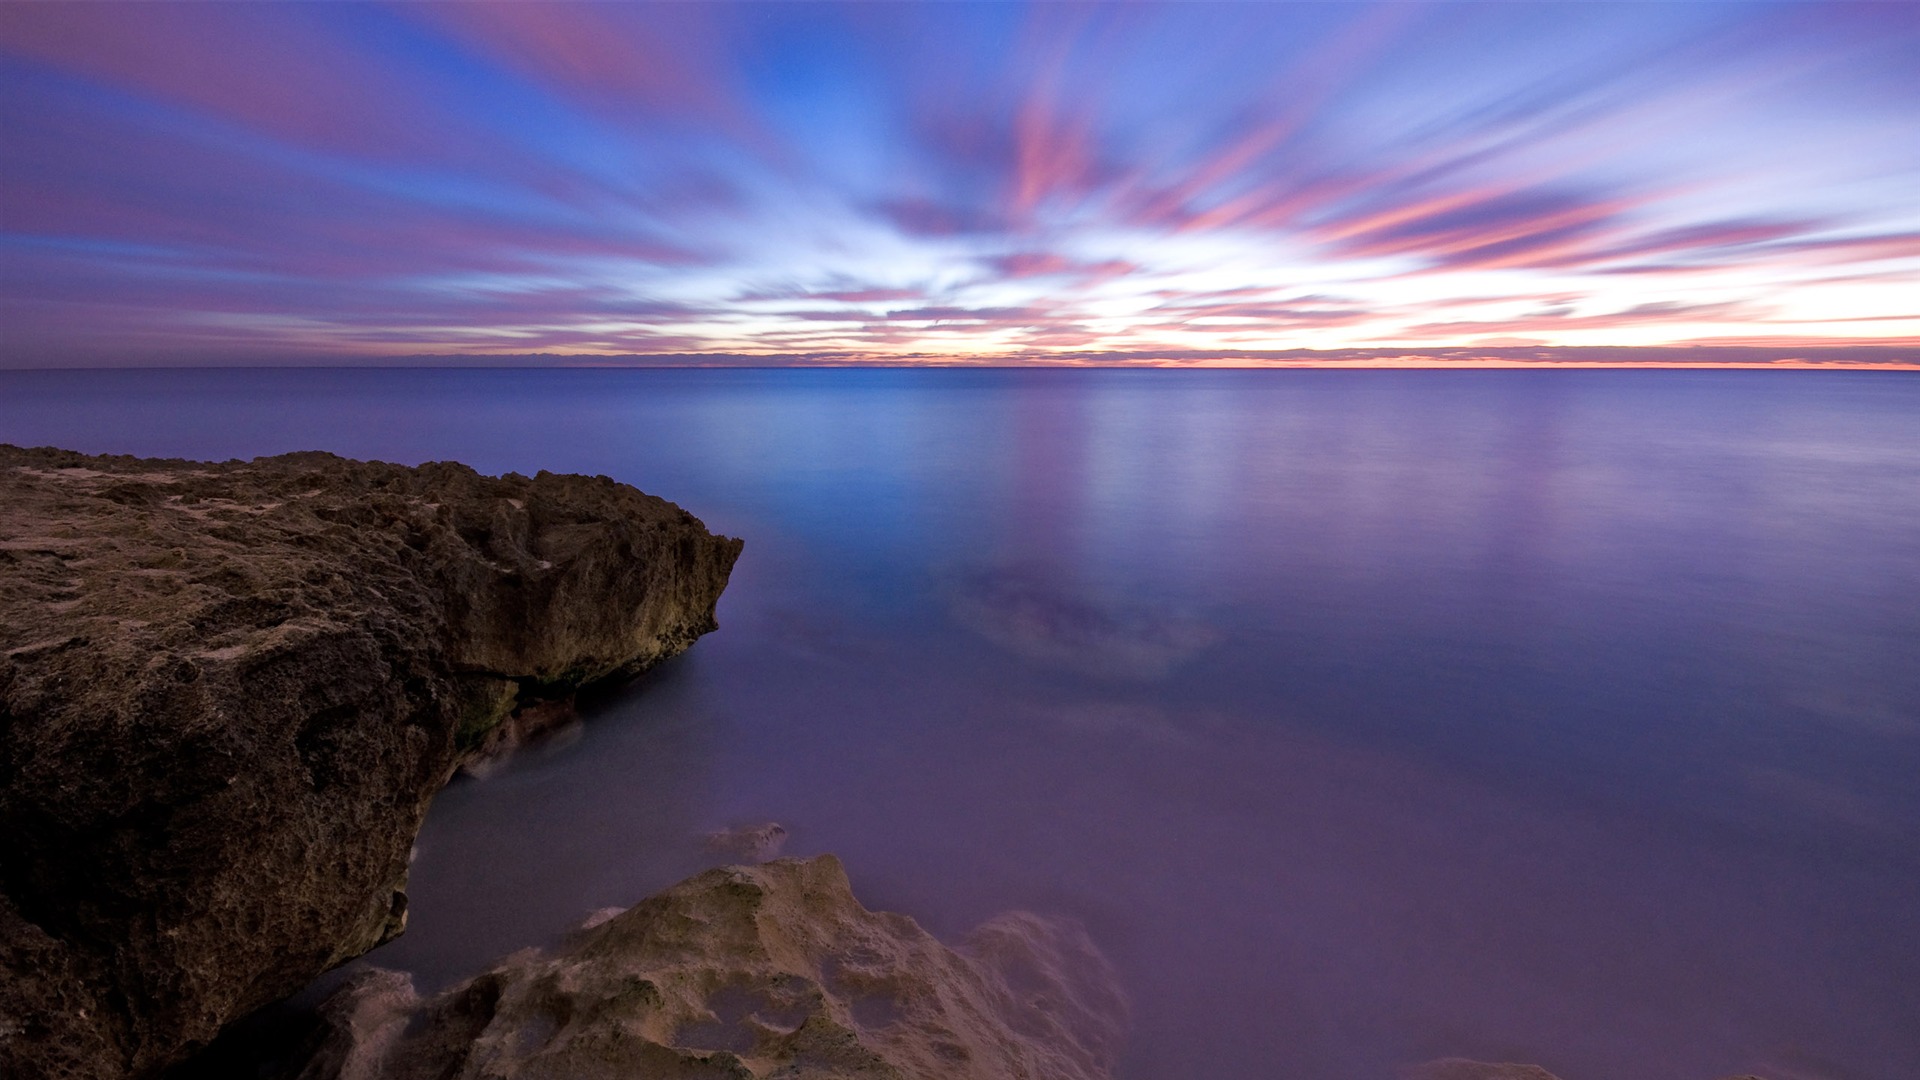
x=1362 y=717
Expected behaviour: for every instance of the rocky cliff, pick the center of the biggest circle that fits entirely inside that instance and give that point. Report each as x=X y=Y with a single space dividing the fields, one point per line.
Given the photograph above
x=744 y=972
x=228 y=692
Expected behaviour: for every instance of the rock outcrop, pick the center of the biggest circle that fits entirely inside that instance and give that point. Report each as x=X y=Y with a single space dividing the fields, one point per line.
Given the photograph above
x=745 y=972
x=228 y=692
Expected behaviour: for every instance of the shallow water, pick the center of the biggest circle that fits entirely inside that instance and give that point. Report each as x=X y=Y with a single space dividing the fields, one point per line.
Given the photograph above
x=1363 y=717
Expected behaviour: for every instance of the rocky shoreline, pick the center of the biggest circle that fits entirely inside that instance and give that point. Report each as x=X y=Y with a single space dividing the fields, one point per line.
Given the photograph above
x=229 y=691
x=743 y=972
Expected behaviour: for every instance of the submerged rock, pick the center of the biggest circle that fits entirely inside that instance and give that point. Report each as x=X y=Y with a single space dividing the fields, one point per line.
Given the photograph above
x=1467 y=1069
x=743 y=972
x=228 y=692
x=755 y=843
x=1035 y=618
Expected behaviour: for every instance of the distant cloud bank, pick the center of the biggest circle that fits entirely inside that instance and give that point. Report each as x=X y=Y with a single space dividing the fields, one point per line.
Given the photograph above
x=1872 y=357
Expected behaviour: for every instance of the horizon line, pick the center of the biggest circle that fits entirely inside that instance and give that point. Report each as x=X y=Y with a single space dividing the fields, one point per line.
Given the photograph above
x=1443 y=365
x=1901 y=355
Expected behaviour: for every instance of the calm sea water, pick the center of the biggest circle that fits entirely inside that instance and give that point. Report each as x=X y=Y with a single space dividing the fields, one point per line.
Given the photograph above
x=1364 y=717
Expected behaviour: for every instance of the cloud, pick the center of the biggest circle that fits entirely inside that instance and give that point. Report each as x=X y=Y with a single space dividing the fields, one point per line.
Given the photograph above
x=1016 y=315
x=859 y=295
x=923 y=217
x=1036 y=264
x=1556 y=321
x=1123 y=183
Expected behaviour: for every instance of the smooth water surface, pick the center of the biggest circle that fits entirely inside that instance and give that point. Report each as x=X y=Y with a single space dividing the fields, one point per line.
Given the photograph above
x=1364 y=717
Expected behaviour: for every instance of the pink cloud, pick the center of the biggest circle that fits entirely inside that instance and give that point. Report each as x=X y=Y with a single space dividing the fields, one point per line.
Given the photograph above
x=278 y=69
x=662 y=58
x=1034 y=264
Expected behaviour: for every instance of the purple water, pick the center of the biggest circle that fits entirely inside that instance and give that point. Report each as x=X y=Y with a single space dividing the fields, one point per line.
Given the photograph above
x=1364 y=717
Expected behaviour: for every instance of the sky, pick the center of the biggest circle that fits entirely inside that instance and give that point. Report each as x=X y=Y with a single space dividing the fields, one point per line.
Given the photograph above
x=1187 y=183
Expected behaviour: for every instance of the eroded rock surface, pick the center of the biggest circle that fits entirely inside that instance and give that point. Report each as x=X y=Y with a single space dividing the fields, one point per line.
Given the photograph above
x=744 y=972
x=228 y=692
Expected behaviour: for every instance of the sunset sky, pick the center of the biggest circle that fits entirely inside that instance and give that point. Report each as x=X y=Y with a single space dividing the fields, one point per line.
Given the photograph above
x=1195 y=183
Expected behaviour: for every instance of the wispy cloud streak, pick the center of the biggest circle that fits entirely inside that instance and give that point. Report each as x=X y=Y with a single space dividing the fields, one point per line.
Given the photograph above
x=1091 y=183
